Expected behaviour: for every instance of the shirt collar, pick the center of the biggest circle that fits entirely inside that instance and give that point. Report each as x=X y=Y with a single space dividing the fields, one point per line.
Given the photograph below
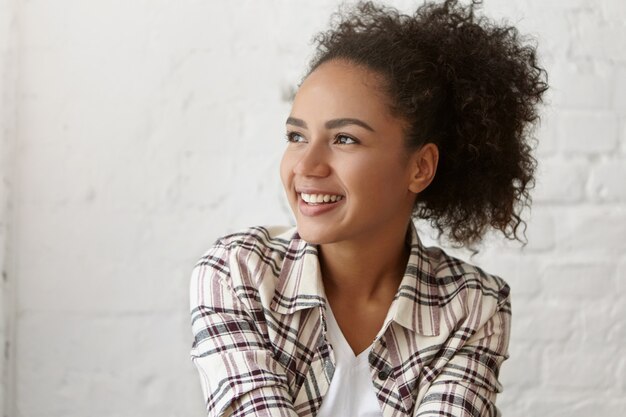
x=415 y=305
x=300 y=280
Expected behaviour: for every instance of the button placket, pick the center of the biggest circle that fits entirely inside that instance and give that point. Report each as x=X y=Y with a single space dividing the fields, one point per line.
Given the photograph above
x=378 y=349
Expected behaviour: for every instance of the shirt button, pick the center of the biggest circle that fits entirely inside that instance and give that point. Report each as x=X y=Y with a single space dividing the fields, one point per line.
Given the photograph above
x=383 y=374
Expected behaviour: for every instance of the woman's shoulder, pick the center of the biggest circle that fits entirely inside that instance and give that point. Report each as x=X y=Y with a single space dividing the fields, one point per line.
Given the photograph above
x=247 y=261
x=457 y=277
x=251 y=249
x=469 y=296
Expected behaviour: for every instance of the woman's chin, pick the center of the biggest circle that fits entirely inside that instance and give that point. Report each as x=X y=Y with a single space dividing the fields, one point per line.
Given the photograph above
x=315 y=234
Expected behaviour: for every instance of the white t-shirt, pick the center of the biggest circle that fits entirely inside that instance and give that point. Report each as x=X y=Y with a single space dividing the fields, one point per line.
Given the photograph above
x=351 y=392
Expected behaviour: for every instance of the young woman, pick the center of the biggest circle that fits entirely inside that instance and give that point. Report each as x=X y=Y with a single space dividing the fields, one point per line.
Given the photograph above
x=348 y=314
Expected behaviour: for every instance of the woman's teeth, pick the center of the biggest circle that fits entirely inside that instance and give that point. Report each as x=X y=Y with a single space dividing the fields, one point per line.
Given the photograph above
x=320 y=198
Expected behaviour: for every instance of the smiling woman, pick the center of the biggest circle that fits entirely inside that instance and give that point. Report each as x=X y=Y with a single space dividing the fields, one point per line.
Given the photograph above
x=348 y=314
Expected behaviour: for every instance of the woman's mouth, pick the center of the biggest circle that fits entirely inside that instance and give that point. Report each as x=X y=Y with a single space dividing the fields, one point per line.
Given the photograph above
x=316 y=204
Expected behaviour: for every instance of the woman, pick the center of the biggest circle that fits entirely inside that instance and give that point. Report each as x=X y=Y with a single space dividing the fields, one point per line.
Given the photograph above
x=348 y=314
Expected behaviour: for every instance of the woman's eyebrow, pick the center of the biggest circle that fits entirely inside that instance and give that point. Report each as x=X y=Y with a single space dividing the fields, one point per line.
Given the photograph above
x=335 y=123
x=296 y=122
x=332 y=124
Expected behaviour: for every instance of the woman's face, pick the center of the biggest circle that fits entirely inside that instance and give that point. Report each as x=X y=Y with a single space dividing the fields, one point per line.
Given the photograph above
x=345 y=170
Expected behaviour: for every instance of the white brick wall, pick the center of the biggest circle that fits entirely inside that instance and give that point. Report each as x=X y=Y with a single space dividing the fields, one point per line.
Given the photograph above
x=145 y=129
x=8 y=72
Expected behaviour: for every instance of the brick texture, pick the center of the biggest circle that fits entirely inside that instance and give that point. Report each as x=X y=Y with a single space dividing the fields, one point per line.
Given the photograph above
x=145 y=129
x=8 y=108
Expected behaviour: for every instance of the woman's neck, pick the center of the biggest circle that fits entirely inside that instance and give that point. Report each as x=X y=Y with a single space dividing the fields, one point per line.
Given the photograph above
x=365 y=270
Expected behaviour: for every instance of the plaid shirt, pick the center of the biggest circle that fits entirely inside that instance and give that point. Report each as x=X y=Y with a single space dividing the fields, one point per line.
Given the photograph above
x=257 y=307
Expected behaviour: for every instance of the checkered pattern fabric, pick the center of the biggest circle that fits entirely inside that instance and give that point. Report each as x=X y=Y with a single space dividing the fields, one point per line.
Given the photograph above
x=260 y=345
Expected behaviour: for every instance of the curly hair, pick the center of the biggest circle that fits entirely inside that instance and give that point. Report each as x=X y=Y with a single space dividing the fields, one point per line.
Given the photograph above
x=464 y=83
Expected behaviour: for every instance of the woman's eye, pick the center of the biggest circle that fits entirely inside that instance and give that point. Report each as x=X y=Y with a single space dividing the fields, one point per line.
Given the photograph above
x=345 y=140
x=294 y=137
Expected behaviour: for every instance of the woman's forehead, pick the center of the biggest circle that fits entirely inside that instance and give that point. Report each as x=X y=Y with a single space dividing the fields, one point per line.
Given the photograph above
x=340 y=88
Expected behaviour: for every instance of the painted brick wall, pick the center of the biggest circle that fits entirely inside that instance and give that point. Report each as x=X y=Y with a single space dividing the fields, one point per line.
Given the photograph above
x=146 y=129
x=8 y=72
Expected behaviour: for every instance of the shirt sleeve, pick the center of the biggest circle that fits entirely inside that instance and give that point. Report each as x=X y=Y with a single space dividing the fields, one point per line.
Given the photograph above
x=468 y=383
x=238 y=373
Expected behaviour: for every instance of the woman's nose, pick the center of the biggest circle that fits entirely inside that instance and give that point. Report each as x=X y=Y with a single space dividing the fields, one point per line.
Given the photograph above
x=313 y=162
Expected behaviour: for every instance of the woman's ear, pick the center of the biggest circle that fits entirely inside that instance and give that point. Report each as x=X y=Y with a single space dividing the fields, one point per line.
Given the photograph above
x=423 y=167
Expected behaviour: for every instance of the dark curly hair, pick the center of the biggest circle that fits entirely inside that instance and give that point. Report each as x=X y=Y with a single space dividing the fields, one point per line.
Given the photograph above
x=465 y=83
